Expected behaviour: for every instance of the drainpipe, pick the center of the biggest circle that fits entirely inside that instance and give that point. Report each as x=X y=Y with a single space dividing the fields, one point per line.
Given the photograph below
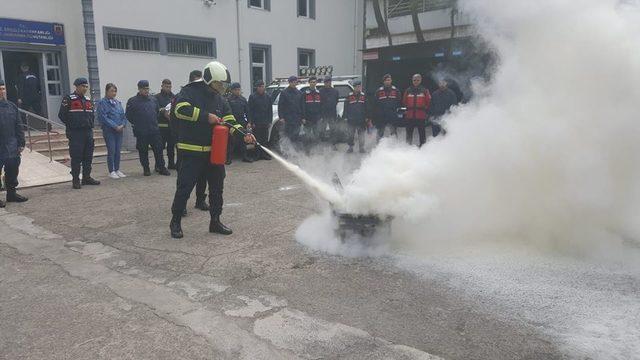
x=239 y=42
x=90 y=44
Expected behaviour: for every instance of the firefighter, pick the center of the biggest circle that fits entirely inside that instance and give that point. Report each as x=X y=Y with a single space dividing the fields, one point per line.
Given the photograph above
x=387 y=101
x=311 y=108
x=11 y=145
x=198 y=107
x=417 y=100
x=76 y=112
x=239 y=108
x=163 y=98
x=355 y=112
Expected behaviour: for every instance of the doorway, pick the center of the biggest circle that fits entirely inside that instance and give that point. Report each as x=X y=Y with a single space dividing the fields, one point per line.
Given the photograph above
x=12 y=61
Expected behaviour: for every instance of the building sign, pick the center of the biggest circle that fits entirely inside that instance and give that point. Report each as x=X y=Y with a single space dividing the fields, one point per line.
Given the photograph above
x=370 y=55
x=32 y=32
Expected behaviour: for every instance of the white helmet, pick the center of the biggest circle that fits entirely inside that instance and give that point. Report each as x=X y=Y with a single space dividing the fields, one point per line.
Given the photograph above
x=216 y=72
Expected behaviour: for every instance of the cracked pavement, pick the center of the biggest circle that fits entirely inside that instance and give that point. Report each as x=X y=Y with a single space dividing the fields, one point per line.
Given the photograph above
x=94 y=274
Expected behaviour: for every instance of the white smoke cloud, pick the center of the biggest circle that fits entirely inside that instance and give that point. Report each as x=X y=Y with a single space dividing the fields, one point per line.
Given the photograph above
x=547 y=153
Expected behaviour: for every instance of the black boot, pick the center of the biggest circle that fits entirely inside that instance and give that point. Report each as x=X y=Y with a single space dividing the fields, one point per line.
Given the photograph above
x=215 y=226
x=88 y=180
x=76 y=183
x=202 y=205
x=163 y=171
x=13 y=196
x=146 y=171
x=247 y=159
x=172 y=165
x=176 y=227
x=2 y=204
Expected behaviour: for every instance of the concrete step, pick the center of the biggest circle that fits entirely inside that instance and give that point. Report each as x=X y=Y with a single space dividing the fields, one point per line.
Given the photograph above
x=56 y=144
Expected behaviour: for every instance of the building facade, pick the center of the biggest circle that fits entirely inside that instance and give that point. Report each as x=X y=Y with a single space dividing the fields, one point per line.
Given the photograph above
x=121 y=41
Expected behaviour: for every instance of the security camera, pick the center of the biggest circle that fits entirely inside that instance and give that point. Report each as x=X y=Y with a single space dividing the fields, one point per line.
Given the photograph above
x=209 y=2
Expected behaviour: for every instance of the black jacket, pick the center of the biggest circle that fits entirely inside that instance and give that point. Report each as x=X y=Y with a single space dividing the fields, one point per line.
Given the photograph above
x=239 y=108
x=441 y=101
x=163 y=99
x=142 y=113
x=290 y=106
x=329 y=98
x=11 y=134
x=76 y=112
x=28 y=87
x=190 y=115
x=311 y=105
x=355 y=109
x=260 y=109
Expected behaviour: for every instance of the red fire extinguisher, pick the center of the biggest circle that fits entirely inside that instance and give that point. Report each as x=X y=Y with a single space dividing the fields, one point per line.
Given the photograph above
x=219 y=141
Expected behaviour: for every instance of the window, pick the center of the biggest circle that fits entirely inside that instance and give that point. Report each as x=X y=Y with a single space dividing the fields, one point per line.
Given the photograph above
x=52 y=70
x=397 y=8
x=307 y=8
x=260 y=60
x=306 y=59
x=161 y=43
x=133 y=42
x=192 y=47
x=260 y=4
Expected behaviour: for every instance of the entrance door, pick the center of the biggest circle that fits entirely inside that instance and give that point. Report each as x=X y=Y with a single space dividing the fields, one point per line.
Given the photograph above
x=12 y=61
x=51 y=63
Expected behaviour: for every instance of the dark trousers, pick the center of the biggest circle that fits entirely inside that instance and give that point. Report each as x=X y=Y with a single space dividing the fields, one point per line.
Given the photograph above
x=421 y=125
x=169 y=143
x=359 y=131
x=236 y=146
x=191 y=169
x=201 y=184
x=11 y=168
x=261 y=132
x=153 y=140
x=381 y=126
x=32 y=105
x=81 y=147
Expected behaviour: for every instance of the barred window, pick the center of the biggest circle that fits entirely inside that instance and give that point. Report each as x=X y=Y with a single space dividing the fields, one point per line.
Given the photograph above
x=182 y=46
x=133 y=42
x=397 y=8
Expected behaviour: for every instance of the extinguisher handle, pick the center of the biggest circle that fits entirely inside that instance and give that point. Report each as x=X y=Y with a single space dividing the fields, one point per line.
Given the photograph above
x=242 y=132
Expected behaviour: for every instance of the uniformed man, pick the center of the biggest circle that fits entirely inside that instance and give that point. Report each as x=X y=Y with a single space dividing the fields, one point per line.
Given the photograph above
x=290 y=109
x=312 y=108
x=29 y=93
x=355 y=112
x=142 y=113
x=417 y=100
x=11 y=145
x=198 y=107
x=329 y=98
x=163 y=98
x=239 y=108
x=77 y=114
x=260 y=116
x=387 y=101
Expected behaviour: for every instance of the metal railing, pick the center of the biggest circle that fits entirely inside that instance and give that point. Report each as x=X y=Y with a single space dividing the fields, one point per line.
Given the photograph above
x=397 y=8
x=51 y=127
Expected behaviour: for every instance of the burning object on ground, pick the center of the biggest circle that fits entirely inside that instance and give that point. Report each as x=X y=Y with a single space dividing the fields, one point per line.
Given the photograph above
x=358 y=226
x=362 y=227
